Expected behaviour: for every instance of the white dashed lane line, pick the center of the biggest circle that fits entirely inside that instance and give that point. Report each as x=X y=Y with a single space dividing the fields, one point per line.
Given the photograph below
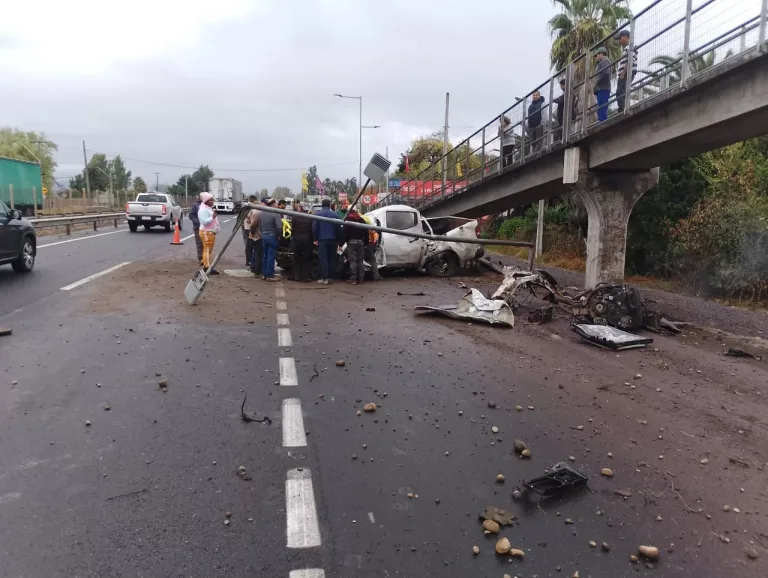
x=294 y=435
x=282 y=319
x=288 y=374
x=302 y=528
x=279 y=292
x=284 y=338
x=282 y=305
x=94 y=276
x=308 y=573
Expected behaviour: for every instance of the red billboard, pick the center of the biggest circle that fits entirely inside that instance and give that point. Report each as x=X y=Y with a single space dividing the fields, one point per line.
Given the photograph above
x=418 y=189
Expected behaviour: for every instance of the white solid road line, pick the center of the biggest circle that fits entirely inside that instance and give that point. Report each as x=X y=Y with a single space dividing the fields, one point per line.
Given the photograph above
x=279 y=292
x=307 y=573
x=80 y=239
x=302 y=529
x=282 y=305
x=371 y=518
x=282 y=319
x=288 y=374
x=284 y=337
x=94 y=276
x=187 y=237
x=294 y=435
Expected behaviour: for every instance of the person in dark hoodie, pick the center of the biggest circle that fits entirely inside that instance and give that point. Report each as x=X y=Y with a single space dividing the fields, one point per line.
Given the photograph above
x=535 y=128
x=357 y=240
x=196 y=229
x=301 y=243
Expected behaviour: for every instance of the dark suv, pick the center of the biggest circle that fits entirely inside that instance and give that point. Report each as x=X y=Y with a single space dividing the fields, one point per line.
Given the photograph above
x=18 y=242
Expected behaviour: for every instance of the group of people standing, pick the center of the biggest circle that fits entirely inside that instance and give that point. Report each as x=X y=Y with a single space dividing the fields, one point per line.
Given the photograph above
x=535 y=128
x=263 y=230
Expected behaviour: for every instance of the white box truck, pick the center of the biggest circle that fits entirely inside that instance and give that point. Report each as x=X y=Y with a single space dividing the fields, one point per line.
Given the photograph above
x=227 y=194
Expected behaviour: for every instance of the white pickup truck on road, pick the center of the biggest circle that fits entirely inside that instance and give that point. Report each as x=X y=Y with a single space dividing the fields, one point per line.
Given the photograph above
x=153 y=209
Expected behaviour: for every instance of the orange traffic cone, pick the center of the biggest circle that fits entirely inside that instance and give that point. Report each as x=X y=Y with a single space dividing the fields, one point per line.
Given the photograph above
x=176 y=235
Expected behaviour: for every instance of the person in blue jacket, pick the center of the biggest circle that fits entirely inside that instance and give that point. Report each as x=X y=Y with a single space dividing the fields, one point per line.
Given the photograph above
x=326 y=236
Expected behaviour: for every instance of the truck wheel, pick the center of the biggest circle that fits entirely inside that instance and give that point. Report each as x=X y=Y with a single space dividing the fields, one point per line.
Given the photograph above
x=181 y=223
x=168 y=226
x=443 y=265
x=133 y=227
x=26 y=261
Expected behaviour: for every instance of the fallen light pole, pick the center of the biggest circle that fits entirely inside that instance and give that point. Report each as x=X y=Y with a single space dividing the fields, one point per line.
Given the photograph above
x=196 y=285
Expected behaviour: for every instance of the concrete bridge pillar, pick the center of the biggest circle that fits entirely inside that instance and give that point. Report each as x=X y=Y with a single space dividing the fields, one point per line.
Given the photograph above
x=610 y=198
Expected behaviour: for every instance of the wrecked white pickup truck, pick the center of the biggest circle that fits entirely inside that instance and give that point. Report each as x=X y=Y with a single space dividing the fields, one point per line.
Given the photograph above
x=438 y=258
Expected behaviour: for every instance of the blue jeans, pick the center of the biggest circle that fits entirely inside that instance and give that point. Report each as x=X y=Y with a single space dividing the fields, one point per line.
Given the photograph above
x=269 y=246
x=326 y=252
x=603 y=96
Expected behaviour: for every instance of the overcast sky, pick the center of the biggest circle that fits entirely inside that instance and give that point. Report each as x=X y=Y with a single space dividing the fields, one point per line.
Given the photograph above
x=249 y=84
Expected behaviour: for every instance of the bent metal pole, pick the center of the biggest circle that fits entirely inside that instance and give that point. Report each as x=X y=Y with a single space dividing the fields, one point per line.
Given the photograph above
x=502 y=242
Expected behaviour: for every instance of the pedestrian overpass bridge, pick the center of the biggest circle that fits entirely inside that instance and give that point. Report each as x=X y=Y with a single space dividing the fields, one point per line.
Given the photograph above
x=712 y=91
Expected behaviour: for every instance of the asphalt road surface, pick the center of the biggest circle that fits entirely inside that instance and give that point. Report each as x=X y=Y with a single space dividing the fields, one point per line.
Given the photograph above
x=123 y=451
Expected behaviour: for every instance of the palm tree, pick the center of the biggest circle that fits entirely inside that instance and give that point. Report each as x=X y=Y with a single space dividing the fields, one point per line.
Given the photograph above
x=583 y=23
x=670 y=68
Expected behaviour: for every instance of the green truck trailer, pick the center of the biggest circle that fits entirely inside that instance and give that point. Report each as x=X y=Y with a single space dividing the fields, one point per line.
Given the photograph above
x=20 y=185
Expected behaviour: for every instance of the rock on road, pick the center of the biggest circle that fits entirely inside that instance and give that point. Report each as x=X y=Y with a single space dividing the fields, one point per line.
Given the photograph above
x=153 y=486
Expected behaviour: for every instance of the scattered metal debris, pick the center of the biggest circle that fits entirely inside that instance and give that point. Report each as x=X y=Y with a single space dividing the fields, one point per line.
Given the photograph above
x=143 y=490
x=419 y=294
x=243 y=474
x=562 y=478
x=316 y=374
x=5 y=331
x=475 y=307
x=247 y=418
x=610 y=337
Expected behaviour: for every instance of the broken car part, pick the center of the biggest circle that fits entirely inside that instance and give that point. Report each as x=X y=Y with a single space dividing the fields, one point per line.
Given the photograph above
x=610 y=337
x=475 y=307
x=562 y=478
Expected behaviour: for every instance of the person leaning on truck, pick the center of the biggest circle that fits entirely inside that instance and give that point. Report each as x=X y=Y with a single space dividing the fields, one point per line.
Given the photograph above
x=257 y=251
x=253 y=199
x=209 y=226
x=196 y=228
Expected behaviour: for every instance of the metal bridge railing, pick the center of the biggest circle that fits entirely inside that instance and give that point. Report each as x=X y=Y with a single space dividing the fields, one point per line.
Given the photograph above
x=674 y=41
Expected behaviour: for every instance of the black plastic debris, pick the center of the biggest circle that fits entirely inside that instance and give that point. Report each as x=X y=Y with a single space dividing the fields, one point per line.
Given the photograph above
x=420 y=294
x=734 y=352
x=541 y=315
x=562 y=478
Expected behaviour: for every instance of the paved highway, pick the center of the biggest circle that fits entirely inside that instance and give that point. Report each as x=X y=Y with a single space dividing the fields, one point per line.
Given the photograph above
x=105 y=473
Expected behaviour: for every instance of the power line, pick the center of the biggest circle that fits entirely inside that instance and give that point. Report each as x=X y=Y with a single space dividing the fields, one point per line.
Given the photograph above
x=228 y=170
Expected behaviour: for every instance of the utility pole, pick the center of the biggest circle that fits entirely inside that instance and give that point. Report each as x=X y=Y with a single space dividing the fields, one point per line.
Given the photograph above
x=186 y=191
x=157 y=182
x=540 y=229
x=87 y=179
x=445 y=142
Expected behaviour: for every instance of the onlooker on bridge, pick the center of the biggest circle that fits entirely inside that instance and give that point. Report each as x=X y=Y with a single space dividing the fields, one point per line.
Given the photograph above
x=196 y=229
x=247 y=232
x=621 y=87
x=326 y=237
x=507 y=137
x=602 y=83
x=560 y=112
x=301 y=241
x=209 y=227
x=536 y=130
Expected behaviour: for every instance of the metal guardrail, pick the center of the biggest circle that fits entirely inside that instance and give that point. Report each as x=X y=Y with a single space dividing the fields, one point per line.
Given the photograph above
x=68 y=222
x=673 y=40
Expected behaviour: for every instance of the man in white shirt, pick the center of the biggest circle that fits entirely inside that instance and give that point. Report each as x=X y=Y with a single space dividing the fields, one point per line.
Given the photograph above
x=621 y=83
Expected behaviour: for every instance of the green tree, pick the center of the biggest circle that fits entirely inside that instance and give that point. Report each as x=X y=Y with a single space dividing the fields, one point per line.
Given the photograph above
x=281 y=192
x=121 y=178
x=669 y=69
x=201 y=177
x=12 y=145
x=311 y=176
x=97 y=167
x=583 y=23
x=139 y=185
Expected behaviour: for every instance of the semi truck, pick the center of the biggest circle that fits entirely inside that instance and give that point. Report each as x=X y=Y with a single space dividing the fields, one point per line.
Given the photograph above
x=227 y=194
x=21 y=185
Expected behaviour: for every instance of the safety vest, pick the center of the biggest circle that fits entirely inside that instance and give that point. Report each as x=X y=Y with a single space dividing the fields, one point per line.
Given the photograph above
x=373 y=236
